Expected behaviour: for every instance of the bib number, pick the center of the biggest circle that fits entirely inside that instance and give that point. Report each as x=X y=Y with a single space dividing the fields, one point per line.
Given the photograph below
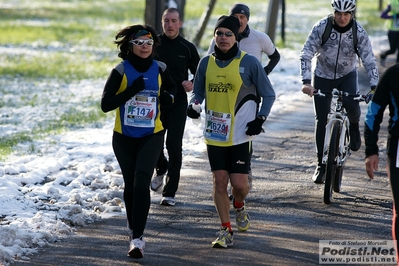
x=217 y=126
x=140 y=111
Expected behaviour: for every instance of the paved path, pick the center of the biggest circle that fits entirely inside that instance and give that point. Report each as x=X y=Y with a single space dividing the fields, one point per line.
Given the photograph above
x=287 y=211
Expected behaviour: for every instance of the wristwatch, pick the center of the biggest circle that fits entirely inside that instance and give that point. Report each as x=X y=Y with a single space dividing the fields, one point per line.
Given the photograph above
x=262 y=117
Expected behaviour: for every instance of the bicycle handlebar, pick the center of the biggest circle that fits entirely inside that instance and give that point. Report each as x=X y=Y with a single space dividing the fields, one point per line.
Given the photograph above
x=336 y=92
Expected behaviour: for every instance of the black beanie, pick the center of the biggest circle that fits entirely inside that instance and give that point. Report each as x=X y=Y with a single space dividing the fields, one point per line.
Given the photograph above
x=230 y=22
x=239 y=9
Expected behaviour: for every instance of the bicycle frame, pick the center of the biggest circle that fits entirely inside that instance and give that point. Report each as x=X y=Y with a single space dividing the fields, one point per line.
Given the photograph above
x=344 y=147
x=336 y=142
x=337 y=113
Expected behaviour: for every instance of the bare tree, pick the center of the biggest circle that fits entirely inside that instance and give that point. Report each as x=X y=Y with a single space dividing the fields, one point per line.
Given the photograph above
x=181 y=4
x=153 y=13
x=203 y=22
x=271 y=19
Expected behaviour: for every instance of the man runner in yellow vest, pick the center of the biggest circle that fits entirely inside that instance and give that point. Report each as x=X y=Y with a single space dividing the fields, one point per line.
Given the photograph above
x=230 y=80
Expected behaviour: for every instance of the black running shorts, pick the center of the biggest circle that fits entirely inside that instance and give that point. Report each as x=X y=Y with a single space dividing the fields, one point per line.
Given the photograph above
x=233 y=159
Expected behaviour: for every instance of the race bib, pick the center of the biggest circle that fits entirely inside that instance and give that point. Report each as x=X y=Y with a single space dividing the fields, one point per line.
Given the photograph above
x=217 y=126
x=140 y=111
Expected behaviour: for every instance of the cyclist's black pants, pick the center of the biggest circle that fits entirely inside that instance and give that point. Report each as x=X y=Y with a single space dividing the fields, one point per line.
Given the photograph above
x=393 y=175
x=348 y=84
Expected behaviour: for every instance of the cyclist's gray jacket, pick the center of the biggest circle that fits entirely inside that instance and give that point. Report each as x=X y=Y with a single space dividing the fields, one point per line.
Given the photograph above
x=337 y=57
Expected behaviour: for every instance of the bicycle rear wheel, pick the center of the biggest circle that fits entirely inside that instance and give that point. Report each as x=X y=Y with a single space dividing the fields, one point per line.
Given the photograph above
x=331 y=162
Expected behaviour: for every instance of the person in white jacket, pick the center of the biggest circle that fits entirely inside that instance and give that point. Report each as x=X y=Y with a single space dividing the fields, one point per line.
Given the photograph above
x=250 y=40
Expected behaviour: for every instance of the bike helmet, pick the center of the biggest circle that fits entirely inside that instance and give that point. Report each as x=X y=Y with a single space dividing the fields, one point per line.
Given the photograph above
x=343 y=5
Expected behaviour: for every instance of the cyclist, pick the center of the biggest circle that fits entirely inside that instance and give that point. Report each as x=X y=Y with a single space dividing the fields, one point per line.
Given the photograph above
x=386 y=94
x=336 y=67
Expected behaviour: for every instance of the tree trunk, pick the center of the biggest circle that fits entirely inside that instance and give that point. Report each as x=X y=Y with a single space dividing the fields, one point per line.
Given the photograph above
x=203 y=22
x=181 y=4
x=271 y=19
x=153 y=13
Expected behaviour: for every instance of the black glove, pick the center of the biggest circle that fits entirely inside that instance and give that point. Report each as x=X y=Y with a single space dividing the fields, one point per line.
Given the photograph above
x=370 y=94
x=254 y=127
x=137 y=86
x=166 y=99
x=192 y=113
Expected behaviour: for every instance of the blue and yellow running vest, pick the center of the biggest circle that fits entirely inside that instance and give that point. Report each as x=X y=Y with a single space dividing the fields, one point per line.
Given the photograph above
x=140 y=115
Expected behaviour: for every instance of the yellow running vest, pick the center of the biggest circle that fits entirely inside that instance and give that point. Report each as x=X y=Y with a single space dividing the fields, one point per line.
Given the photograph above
x=224 y=92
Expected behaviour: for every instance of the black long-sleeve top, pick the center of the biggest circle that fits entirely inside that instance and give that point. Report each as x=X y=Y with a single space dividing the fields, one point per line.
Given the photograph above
x=180 y=56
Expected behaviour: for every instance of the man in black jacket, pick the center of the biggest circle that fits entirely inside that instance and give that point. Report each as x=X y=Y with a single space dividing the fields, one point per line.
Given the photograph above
x=181 y=56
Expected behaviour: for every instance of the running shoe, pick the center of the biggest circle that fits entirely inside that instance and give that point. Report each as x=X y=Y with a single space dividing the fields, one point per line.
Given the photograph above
x=136 y=249
x=157 y=181
x=224 y=239
x=242 y=219
x=319 y=174
x=168 y=201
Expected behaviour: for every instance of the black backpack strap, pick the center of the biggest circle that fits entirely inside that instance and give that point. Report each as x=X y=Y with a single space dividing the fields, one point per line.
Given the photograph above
x=327 y=30
x=354 y=35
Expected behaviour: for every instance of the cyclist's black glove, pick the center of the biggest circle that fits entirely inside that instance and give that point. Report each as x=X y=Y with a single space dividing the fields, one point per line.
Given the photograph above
x=137 y=86
x=369 y=96
x=166 y=99
x=191 y=112
x=254 y=127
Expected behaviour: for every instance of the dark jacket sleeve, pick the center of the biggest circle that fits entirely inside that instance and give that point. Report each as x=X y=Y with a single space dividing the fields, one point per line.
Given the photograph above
x=375 y=111
x=167 y=82
x=384 y=14
x=195 y=58
x=110 y=100
x=274 y=59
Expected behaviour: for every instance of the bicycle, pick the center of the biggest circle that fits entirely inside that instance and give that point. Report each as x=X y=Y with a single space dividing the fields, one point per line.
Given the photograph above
x=336 y=148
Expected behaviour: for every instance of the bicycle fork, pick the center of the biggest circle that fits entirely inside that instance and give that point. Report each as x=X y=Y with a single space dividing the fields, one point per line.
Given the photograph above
x=343 y=148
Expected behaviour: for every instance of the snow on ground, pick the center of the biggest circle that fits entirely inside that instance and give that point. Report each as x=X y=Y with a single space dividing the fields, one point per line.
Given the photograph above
x=73 y=179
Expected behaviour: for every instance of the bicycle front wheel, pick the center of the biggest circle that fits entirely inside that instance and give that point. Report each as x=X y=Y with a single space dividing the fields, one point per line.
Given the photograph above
x=331 y=167
x=340 y=169
x=338 y=178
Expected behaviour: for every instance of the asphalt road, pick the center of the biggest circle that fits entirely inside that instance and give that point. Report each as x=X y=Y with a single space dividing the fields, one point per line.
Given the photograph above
x=286 y=208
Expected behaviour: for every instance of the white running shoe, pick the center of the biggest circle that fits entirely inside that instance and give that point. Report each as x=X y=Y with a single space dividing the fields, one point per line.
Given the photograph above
x=157 y=182
x=224 y=239
x=242 y=219
x=168 y=201
x=136 y=249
